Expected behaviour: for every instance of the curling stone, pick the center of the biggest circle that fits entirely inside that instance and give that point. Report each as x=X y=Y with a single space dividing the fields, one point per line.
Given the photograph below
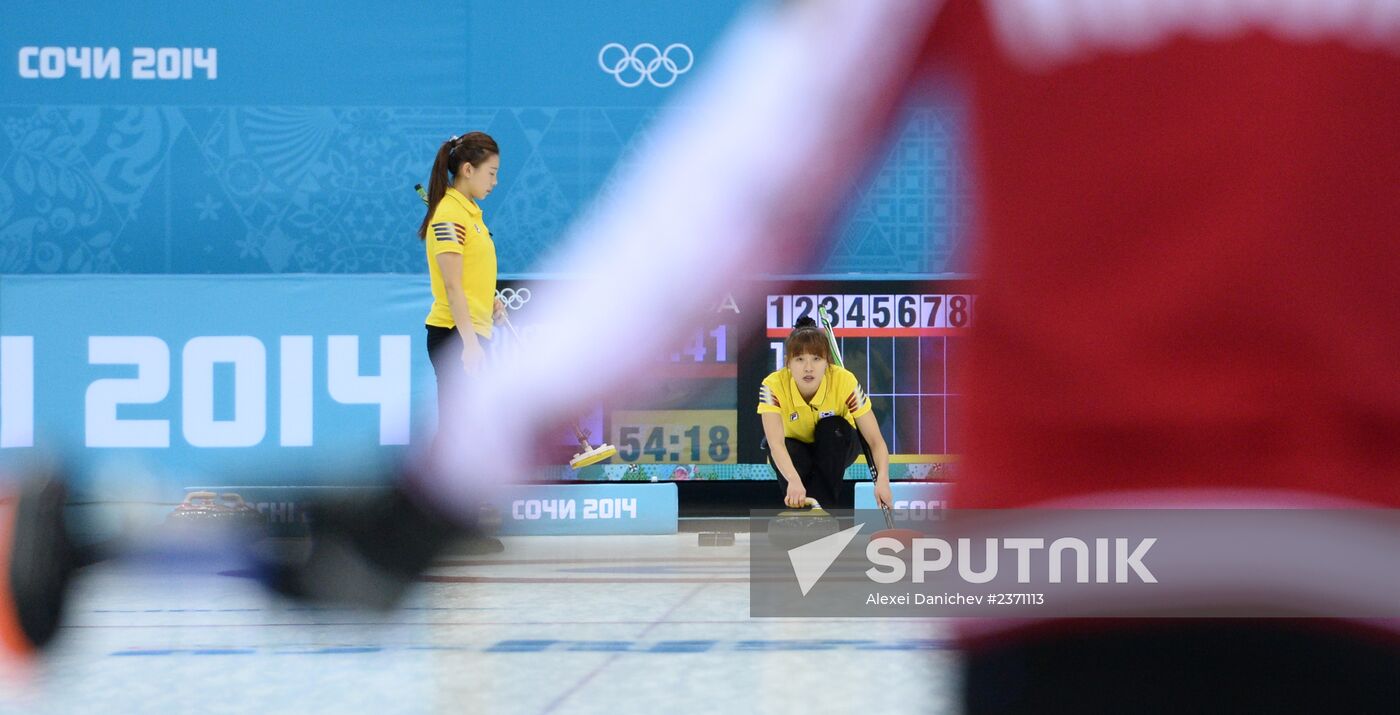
x=795 y=527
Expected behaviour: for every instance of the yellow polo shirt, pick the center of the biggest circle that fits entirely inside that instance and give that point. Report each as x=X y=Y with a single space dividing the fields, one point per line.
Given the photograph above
x=456 y=227
x=838 y=394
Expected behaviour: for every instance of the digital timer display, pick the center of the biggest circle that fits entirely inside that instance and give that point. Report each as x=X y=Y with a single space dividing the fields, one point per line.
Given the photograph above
x=674 y=436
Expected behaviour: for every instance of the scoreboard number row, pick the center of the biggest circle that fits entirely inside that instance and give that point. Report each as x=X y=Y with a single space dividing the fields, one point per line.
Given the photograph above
x=874 y=311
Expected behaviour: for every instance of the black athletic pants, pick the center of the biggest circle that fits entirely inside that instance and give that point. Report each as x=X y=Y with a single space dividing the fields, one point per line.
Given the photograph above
x=445 y=350
x=822 y=464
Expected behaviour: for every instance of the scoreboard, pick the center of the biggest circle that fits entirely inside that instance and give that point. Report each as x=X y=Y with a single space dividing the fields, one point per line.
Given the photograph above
x=696 y=419
x=873 y=315
x=903 y=340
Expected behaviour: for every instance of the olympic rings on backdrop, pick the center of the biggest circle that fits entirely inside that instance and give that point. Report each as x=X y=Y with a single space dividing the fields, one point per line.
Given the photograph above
x=645 y=63
x=514 y=299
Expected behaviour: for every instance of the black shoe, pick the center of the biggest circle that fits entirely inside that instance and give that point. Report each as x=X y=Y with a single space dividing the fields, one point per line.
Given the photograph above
x=480 y=545
x=36 y=563
x=367 y=551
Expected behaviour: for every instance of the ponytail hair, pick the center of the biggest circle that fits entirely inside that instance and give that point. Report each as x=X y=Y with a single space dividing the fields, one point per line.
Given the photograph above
x=807 y=339
x=473 y=148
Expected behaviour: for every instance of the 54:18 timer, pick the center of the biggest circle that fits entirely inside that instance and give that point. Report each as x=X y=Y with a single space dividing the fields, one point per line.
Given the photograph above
x=674 y=443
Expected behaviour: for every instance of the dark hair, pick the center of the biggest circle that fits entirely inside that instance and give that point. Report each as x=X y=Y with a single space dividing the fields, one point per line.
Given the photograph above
x=473 y=148
x=807 y=339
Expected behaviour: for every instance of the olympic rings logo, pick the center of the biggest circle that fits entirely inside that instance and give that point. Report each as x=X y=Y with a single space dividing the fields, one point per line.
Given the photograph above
x=513 y=298
x=645 y=63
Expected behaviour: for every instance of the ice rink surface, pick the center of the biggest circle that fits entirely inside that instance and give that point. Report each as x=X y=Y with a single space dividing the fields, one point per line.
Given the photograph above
x=600 y=624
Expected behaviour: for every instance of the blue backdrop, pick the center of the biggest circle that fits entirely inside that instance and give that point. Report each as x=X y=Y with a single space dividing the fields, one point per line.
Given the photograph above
x=258 y=137
x=194 y=379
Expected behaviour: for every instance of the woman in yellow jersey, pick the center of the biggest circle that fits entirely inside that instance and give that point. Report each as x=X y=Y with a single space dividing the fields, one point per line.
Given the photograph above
x=811 y=410
x=461 y=256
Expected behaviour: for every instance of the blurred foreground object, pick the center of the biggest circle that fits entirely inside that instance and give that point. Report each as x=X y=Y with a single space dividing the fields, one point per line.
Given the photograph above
x=36 y=562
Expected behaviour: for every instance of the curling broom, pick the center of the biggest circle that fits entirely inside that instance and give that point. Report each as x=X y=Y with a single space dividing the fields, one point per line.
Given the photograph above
x=836 y=358
x=904 y=536
x=590 y=455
